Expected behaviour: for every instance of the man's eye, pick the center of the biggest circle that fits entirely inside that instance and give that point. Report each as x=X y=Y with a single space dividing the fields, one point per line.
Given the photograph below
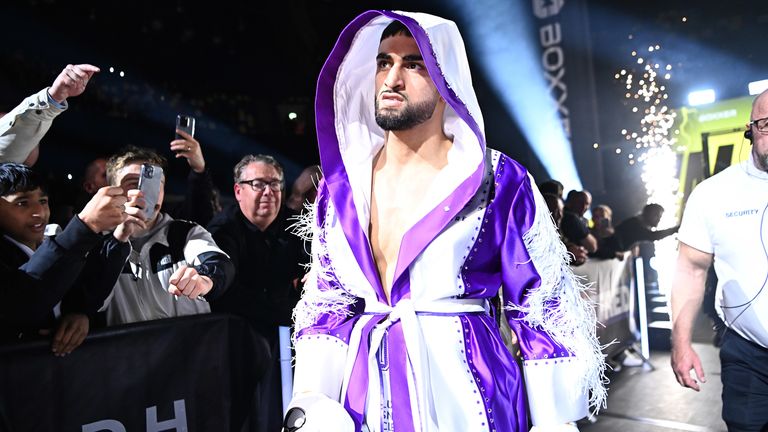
x=382 y=64
x=20 y=203
x=415 y=66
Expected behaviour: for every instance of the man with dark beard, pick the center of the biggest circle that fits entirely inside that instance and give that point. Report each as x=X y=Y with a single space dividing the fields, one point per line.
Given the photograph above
x=724 y=224
x=417 y=227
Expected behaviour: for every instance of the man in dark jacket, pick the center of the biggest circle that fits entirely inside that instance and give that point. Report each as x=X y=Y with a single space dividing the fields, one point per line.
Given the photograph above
x=267 y=257
x=37 y=272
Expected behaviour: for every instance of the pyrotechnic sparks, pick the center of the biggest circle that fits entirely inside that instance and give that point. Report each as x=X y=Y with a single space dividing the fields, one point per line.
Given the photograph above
x=652 y=139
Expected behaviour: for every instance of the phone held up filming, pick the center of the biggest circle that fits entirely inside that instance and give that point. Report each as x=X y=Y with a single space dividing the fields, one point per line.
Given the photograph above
x=185 y=123
x=150 y=182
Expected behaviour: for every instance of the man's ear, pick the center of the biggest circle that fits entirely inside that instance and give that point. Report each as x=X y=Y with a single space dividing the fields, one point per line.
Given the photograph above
x=236 y=189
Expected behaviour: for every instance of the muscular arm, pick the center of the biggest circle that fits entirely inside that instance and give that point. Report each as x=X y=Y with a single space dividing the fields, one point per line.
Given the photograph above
x=687 y=295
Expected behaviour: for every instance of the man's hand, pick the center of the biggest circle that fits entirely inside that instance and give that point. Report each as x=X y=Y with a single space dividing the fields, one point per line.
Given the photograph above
x=579 y=253
x=186 y=282
x=73 y=328
x=134 y=216
x=71 y=81
x=683 y=359
x=189 y=148
x=105 y=210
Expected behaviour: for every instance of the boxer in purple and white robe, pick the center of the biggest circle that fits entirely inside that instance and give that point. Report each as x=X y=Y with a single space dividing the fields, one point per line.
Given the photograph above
x=422 y=351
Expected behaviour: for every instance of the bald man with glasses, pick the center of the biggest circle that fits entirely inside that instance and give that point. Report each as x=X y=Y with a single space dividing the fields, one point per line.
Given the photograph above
x=268 y=258
x=724 y=226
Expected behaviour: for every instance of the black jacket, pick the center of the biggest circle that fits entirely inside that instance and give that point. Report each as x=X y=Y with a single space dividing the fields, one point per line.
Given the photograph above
x=31 y=287
x=268 y=263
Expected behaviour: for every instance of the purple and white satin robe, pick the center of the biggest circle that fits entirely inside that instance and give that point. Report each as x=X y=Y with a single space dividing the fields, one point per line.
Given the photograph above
x=432 y=358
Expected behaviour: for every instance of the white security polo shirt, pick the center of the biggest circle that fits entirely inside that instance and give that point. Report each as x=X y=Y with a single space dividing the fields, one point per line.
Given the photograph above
x=726 y=216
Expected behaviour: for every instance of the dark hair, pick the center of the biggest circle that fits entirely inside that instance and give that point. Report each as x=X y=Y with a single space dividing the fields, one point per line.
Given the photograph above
x=395 y=28
x=553 y=187
x=249 y=159
x=652 y=208
x=15 y=178
x=130 y=155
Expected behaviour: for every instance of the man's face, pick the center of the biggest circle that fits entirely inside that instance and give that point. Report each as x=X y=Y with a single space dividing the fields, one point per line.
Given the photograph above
x=95 y=176
x=24 y=215
x=260 y=207
x=760 y=139
x=654 y=217
x=128 y=178
x=405 y=93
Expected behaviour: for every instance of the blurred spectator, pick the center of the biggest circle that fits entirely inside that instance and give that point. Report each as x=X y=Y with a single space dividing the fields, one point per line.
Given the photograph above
x=603 y=230
x=642 y=227
x=574 y=226
x=174 y=267
x=22 y=129
x=552 y=187
x=94 y=178
x=268 y=258
x=556 y=207
x=37 y=274
x=304 y=189
x=602 y=221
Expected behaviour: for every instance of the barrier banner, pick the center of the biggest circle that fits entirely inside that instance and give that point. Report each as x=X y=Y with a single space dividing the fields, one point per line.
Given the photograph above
x=195 y=373
x=612 y=284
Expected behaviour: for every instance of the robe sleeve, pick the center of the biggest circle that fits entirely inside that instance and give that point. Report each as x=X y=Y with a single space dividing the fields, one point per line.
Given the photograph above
x=547 y=308
x=325 y=315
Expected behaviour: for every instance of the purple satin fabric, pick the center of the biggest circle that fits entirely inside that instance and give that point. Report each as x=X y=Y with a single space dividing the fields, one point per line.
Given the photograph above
x=357 y=390
x=499 y=380
x=398 y=371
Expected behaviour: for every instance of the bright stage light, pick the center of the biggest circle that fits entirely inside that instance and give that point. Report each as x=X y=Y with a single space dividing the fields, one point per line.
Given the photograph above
x=701 y=97
x=501 y=40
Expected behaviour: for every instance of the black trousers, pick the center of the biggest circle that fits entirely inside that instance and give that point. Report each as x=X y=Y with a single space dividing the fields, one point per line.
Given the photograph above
x=745 y=384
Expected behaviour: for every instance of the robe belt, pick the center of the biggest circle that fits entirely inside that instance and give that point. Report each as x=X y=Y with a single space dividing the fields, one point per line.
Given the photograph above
x=406 y=311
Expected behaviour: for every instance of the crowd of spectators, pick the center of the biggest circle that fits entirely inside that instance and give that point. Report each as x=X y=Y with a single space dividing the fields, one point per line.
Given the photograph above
x=127 y=256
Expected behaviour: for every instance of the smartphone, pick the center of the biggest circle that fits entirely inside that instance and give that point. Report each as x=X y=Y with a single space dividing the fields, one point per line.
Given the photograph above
x=185 y=123
x=150 y=182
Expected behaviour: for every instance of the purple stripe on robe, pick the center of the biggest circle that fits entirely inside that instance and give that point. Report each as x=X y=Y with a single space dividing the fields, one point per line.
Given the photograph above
x=424 y=231
x=398 y=375
x=334 y=171
x=501 y=399
x=357 y=389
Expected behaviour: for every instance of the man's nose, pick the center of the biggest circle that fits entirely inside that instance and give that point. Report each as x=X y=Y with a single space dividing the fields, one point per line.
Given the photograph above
x=37 y=210
x=394 y=78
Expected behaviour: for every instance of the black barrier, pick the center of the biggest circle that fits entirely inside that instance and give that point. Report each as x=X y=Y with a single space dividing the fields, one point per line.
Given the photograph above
x=194 y=373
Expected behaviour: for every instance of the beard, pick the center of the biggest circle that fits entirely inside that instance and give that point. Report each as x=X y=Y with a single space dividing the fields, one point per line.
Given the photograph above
x=761 y=160
x=411 y=115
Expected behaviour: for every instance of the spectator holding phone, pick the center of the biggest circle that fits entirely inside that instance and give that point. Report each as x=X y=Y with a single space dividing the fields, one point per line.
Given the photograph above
x=22 y=129
x=38 y=270
x=198 y=200
x=174 y=267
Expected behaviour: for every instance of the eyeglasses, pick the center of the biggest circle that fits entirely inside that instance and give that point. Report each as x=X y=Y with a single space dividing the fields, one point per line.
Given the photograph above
x=760 y=124
x=260 y=185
